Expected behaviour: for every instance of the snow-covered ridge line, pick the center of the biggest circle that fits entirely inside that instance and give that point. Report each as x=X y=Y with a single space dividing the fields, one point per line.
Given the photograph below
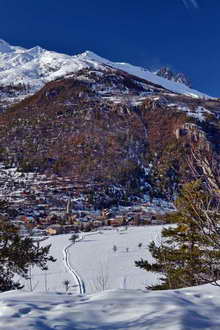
x=36 y=66
x=144 y=74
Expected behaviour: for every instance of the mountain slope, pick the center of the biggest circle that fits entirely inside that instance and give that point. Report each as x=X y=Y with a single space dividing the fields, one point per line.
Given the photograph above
x=25 y=71
x=106 y=126
x=101 y=122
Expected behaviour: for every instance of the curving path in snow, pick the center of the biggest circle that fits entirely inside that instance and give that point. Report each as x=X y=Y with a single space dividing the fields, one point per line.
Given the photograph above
x=79 y=281
x=76 y=276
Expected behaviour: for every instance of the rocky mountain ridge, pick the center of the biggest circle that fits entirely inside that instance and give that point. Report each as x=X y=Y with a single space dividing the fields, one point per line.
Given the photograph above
x=25 y=71
x=167 y=73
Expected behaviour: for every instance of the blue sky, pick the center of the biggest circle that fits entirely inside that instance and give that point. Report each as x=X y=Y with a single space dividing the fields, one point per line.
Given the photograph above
x=149 y=33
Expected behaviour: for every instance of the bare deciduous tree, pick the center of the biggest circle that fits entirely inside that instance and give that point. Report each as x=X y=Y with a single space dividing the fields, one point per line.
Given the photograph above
x=101 y=282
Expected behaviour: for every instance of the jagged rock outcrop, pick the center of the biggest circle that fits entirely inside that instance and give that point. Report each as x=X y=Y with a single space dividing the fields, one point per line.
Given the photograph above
x=167 y=73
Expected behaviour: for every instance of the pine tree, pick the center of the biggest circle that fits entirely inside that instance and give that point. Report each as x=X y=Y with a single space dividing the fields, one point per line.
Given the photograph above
x=189 y=254
x=17 y=254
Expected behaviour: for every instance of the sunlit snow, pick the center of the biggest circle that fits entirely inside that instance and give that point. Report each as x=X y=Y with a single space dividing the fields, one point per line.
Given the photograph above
x=36 y=66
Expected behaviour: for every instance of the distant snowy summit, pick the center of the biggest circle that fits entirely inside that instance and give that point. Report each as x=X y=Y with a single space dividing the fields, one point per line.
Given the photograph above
x=168 y=74
x=33 y=68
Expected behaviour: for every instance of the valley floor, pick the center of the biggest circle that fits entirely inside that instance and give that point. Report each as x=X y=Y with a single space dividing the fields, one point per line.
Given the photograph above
x=102 y=268
x=94 y=260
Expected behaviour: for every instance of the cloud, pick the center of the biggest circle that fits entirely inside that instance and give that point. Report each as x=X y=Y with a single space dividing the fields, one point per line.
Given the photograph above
x=195 y=3
x=188 y=3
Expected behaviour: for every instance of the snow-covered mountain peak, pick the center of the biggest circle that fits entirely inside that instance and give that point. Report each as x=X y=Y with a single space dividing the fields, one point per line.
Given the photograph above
x=89 y=56
x=36 y=51
x=5 y=47
x=3 y=42
x=36 y=66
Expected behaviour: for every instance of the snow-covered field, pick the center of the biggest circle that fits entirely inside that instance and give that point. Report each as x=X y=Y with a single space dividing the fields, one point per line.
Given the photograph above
x=103 y=268
x=186 y=309
x=94 y=260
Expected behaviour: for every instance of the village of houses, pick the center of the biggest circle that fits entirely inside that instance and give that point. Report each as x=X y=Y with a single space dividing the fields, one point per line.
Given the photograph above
x=48 y=205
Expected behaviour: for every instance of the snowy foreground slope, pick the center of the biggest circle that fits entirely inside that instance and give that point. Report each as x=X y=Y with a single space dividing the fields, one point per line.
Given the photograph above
x=192 y=308
x=48 y=307
x=36 y=66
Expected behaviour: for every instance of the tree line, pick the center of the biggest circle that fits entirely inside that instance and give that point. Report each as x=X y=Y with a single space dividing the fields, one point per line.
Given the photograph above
x=189 y=251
